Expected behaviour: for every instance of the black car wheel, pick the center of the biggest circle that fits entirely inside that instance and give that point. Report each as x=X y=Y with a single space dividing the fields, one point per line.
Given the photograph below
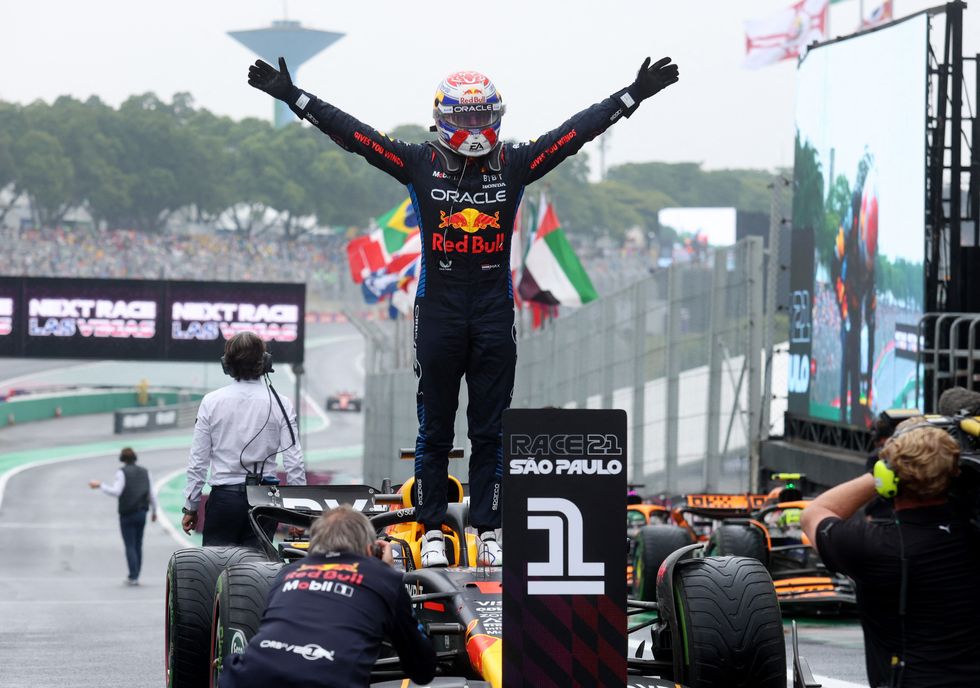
x=739 y=540
x=729 y=623
x=191 y=575
x=653 y=545
x=239 y=601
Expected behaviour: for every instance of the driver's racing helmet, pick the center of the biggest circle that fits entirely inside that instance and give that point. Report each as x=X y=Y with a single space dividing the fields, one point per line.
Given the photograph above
x=467 y=111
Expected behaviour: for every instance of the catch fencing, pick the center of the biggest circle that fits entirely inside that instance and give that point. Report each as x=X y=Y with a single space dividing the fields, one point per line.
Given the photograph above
x=675 y=350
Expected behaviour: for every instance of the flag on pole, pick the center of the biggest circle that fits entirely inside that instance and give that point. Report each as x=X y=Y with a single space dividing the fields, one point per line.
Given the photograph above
x=398 y=224
x=784 y=35
x=517 y=255
x=552 y=273
x=366 y=254
x=881 y=14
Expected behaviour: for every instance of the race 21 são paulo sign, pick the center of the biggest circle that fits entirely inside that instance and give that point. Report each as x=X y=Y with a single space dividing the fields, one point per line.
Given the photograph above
x=564 y=578
x=146 y=319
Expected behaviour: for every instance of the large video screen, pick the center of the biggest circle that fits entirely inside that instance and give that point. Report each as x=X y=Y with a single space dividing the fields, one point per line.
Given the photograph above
x=146 y=319
x=858 y=224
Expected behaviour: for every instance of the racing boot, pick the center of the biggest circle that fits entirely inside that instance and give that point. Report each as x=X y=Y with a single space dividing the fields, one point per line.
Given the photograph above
x=489 y=552
x=433 y=551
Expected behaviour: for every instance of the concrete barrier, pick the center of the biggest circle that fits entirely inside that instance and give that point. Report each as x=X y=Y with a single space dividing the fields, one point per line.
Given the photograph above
x=33 y=407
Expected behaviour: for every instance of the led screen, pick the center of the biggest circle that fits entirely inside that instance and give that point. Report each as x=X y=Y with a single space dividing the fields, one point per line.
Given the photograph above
x=146 y=319
x=858 y=224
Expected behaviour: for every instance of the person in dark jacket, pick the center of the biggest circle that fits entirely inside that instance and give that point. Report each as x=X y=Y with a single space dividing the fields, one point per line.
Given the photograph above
x=328 y=613
x=133 y=487
x=466 y=187
x=915 y=569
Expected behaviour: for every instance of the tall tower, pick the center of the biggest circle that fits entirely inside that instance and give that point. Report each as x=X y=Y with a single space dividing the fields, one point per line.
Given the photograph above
x=288 y=39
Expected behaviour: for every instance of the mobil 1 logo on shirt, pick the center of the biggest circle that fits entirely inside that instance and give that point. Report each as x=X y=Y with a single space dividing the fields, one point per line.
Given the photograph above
x=564 y=582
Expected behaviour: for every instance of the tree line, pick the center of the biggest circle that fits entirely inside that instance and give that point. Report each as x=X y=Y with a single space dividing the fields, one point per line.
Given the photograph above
x=137 y=165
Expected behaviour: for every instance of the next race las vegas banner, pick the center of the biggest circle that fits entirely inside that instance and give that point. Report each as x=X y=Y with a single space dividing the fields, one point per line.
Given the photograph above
x=146 y=319
x=564 y=585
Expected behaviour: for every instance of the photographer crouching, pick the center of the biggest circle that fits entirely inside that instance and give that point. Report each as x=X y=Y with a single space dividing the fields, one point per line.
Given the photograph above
x=328 y=613
x=916 y=569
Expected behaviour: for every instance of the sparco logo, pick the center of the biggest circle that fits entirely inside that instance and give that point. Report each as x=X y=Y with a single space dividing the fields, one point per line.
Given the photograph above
x=310 y=652
x=566 y=535
x=565 y=445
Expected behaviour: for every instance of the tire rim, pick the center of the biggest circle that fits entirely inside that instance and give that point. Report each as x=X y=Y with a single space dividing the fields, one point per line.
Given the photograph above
x=167 y=630
x=214 y=668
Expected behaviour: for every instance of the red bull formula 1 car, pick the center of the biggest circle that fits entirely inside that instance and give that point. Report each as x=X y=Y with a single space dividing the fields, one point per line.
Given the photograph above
x=216 y=596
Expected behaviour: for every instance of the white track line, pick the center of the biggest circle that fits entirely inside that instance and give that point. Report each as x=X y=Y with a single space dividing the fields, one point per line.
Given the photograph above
x=162 y=519
x=5 y=477
x=827 y=682
x=6 y=384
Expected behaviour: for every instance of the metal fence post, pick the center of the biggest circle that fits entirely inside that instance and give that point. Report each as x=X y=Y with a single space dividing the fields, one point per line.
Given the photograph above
x=673 y=358
x=716 y=325
x=772 y=284
x=754 y=354
x=608 y=352
x=639 y=376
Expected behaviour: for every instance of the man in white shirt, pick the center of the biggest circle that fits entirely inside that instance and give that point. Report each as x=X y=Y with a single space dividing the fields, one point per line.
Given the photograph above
x=133 y=487
x=240 y=430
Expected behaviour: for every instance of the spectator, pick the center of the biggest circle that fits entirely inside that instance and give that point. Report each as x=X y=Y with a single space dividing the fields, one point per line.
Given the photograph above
x=133 y=487
x=915 y=571
x=340 y=622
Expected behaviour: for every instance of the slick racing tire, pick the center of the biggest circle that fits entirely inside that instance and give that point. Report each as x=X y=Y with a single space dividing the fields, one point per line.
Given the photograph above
x=653 y=545
x=239 y=599
x=729 y=623
x=191 y=575
x=739 y=540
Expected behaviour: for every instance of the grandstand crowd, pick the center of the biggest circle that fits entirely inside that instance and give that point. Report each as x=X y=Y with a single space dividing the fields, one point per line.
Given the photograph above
x=318 y=260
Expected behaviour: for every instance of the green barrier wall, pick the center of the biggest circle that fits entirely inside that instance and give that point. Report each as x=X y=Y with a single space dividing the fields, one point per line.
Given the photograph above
x=45 y=406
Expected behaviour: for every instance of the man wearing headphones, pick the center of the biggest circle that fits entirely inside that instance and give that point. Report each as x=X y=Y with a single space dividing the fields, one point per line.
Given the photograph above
x=915 y=570
x=465 y=186
x=239 y=431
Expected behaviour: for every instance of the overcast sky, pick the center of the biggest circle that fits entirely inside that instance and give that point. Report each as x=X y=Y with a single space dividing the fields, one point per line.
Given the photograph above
x=549 y=58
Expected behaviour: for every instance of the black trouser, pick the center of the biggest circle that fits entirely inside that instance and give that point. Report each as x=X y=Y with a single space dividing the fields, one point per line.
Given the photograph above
x=449 y=343
x=226 y=518
x=132 y=525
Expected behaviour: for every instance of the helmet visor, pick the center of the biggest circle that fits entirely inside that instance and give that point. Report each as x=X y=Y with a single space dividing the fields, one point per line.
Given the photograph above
x=471 y=116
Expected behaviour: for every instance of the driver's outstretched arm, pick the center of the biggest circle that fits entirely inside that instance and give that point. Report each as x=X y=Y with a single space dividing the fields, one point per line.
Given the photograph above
x=388 y=155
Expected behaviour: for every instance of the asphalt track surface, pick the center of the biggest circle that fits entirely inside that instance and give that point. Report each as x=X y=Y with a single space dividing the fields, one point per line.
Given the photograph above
x=66 y=618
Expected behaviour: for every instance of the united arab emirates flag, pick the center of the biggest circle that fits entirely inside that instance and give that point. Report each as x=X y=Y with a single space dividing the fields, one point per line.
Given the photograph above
x=553 y=274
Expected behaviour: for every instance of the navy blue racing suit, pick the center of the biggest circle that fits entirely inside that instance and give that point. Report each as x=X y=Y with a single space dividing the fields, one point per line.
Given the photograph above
x=464 y=305
x=323 y=625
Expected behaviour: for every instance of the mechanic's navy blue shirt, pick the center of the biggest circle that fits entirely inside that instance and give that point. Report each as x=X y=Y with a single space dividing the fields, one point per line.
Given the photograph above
x=323 y=626
x=942 y=622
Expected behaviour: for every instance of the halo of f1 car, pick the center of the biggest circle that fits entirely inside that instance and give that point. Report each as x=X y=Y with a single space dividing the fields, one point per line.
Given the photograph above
x=216 y=596
x=764 y=527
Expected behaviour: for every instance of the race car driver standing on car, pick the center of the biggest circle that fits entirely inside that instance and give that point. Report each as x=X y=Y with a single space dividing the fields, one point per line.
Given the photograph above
x=915 y=569
x=466 y=187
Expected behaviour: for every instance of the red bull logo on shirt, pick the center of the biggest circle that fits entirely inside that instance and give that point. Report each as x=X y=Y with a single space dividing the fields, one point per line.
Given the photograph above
x=343 y=573
x=469 y=220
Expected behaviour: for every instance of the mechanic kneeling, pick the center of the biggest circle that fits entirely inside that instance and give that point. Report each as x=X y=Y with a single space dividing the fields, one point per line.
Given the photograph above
x=916 y=570
x=328 y=613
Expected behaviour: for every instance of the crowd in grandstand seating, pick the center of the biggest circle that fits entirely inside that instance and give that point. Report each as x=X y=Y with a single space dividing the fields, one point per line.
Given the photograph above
x=320 y=261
